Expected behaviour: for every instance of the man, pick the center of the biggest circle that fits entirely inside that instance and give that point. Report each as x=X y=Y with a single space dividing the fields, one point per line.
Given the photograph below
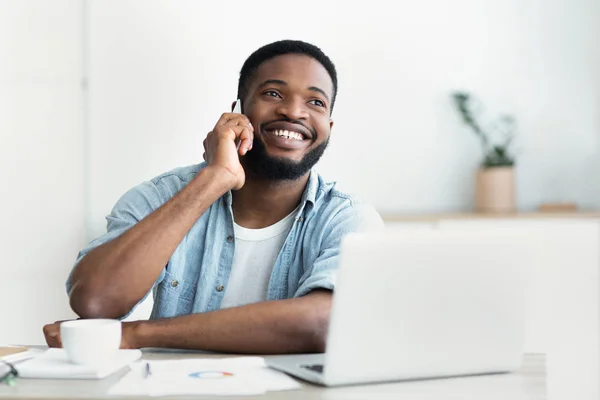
x=240 y=251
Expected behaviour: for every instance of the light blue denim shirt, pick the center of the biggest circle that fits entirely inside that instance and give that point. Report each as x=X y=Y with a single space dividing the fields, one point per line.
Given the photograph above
x=193 y=281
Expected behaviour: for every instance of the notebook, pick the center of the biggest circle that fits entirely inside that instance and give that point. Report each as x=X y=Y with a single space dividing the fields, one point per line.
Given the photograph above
x=14 y=354
x=54 y=364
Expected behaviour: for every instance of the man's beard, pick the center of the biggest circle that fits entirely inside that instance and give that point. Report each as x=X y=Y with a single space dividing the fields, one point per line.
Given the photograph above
x=259 y=164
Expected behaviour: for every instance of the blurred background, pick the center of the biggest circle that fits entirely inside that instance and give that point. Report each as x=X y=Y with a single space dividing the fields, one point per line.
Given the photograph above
x=99 y=95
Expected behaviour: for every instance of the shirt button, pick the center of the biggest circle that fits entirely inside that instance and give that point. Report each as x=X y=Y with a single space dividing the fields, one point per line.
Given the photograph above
x=174 y=283
x=230 y=239
x=220 y=288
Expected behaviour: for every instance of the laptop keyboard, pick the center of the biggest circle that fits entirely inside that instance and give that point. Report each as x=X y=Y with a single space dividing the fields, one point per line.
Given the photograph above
x=314 y=367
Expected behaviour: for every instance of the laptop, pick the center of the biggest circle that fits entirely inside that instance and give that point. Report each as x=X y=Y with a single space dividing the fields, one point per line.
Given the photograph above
x=428 y=304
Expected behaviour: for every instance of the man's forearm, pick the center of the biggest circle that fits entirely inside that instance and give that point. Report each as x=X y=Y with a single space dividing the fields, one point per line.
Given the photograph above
x=112 y=278
x=282 y=326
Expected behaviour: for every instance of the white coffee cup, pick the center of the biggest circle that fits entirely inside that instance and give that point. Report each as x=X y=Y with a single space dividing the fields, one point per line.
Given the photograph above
x=91 y=341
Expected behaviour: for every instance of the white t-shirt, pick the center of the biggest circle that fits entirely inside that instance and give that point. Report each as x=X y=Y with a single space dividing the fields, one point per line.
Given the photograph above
x=255 y=254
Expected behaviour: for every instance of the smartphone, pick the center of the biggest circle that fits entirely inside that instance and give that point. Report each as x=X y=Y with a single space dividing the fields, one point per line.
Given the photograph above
x=237 y=109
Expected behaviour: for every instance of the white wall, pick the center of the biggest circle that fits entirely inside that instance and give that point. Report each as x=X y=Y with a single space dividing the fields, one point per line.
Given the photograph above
x=41 y=163
x=162 y=72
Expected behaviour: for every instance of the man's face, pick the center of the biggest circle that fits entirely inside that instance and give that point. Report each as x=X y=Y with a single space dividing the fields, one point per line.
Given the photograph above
x=288 y=103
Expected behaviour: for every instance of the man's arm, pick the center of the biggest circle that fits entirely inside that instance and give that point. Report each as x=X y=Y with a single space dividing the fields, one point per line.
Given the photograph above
x=112 y=278
x=296 y=325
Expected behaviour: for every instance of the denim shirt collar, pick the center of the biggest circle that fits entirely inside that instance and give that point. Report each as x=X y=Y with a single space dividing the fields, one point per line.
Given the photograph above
x=308 y=196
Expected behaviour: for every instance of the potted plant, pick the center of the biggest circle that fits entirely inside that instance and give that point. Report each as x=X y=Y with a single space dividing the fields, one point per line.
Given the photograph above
x=495 y=178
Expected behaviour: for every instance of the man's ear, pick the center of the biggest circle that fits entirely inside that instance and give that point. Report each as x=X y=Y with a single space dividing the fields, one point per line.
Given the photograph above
x=330 y=125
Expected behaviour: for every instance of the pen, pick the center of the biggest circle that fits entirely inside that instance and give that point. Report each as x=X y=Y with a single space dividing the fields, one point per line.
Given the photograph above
x=148 y=372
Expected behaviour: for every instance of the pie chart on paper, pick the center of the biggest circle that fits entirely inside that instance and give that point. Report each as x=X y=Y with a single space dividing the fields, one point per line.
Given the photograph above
x=210 y=375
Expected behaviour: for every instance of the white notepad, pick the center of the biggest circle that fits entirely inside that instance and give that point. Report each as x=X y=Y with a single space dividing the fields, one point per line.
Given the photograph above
x=54 y=364
x=20 y=356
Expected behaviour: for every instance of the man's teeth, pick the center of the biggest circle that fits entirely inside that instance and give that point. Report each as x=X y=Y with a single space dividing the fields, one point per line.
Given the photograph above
x=288 y=134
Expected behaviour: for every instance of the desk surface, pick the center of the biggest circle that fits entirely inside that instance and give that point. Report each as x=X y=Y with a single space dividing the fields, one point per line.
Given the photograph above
x=528 y=383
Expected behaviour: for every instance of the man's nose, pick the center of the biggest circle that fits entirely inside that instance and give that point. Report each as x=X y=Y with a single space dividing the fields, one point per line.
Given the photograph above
x=293 y=109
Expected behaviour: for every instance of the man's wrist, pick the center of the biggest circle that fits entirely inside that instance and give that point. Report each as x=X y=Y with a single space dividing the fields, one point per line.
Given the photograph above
x=135 y=335
x=220 y=176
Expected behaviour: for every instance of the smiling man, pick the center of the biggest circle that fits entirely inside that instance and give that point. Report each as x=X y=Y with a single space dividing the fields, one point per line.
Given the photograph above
x=240 y=251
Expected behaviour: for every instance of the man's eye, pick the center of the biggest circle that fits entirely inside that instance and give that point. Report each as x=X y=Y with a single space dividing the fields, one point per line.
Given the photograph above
x=272 y=93
x=317 y=102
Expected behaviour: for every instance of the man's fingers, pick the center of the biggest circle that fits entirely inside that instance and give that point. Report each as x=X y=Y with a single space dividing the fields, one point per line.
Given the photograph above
x=49 y=329
x=52 y=335
x=245 y=147
x=234 y=119
x=55 y=342
x=240 y=132
x=242 y=136
x=245 y=138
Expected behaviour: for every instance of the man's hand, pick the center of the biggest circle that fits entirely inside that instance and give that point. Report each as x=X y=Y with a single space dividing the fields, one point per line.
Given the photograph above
x=52 y=334
x=221 y=145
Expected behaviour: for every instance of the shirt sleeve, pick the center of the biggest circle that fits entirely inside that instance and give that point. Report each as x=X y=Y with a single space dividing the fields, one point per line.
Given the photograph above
x=131 y=208
x=354 y=218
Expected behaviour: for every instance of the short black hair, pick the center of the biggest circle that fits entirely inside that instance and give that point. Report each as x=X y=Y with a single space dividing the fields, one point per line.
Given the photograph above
x=280 y=48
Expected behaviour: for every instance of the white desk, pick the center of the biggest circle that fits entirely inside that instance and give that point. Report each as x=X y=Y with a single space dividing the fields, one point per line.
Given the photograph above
x=529 y=383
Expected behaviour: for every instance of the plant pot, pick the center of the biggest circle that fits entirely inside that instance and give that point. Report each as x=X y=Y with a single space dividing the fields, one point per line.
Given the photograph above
x=495 y=190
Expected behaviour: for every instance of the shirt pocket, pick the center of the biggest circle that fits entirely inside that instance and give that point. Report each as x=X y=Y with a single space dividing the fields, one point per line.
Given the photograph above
x=174 y=297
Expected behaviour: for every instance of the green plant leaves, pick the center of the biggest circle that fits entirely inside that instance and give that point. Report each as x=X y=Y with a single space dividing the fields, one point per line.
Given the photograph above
x=494 y=155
